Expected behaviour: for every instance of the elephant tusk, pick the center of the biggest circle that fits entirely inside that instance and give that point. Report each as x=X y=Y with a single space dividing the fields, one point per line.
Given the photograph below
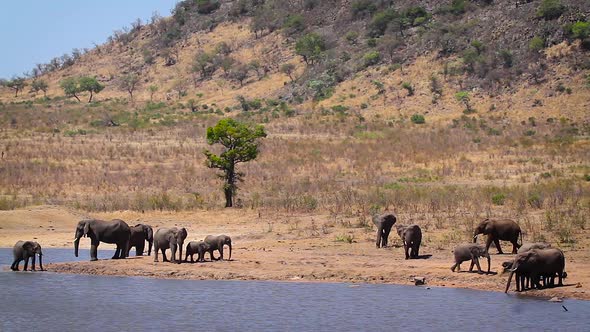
x=513 y=270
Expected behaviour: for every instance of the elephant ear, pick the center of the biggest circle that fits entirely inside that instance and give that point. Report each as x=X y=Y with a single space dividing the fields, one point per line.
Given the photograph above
x=86 y=228
x=28 y=246
x=183 y=233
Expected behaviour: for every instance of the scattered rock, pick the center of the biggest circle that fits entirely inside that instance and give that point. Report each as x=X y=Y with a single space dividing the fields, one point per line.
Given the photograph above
x=555 y=299
x=578 y=285
x=419 y=281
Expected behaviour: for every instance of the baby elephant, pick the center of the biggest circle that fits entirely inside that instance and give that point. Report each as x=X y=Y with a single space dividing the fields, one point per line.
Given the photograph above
x=23 y=250
x=412 y=237
x=470 y=251
x=194 y=247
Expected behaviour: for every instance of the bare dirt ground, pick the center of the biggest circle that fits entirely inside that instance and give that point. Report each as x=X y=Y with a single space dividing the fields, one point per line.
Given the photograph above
x=278 y=247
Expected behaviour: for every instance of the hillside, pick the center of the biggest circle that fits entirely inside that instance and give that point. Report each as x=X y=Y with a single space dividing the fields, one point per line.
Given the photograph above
x=444 y=112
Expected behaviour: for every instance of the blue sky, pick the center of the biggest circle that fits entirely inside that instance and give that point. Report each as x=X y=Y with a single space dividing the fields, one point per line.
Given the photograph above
x=35 y=31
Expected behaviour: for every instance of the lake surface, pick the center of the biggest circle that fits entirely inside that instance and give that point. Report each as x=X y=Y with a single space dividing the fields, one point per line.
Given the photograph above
x=42 y=301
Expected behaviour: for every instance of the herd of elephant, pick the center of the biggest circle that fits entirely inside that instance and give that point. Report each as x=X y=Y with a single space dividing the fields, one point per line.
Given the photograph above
x=534 y=262
x=124 y=237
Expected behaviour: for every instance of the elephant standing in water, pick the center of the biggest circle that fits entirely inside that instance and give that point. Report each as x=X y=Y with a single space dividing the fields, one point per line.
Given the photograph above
x=169 y=238
x=23 y=250
x=217 y=243
x=537 y=263
x=384 y=222
x=470 y=251
x=115 y=231
x=499 y=229
x=139 y=234
x=412 y=237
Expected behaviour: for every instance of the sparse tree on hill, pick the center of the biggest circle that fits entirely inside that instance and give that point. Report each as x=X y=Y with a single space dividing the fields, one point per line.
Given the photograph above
x=240 y=73
x=288 y=69
x=71 y=87
x=90 y=85
x=129 y=83
x=17 y=84
x=152 y=89
x=310 y=47
x=39 y=85
x=240 y=144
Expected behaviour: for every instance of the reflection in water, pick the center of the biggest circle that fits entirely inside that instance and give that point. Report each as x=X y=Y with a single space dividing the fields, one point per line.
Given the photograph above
x=46 y=301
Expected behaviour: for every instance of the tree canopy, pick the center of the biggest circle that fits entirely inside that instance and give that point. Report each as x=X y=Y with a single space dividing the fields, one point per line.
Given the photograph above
x=240 y=144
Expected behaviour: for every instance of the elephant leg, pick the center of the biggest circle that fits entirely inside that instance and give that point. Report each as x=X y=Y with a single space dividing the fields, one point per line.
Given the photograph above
x=497 y=243
x=488 y=242
x=117 y=252
x=515 y=246
x=518 y=281
x=139 y=249
x=164 y=258
x=472 y=263
x=386 y=231
x=456 y=266
x=156 y=251
x=173 y=254
x=33 y=263
x=26 y=263
x=14 y=266
x=417 y=249
x=560 y=278
x=211 y=255
x=220 y=253
x=94 y=251
x=478 y=267
x=406 y=250
x=379 y=236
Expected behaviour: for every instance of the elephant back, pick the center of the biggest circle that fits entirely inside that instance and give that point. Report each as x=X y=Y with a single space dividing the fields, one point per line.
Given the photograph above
x=384 y=218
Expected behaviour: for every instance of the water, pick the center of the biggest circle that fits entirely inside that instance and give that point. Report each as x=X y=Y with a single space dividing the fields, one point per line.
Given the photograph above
x=43 y=301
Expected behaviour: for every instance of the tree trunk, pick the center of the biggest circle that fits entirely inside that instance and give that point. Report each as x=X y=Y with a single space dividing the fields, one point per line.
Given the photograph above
x=230 y=186
x=228 y=197
x=75 y=96
x=90 y=99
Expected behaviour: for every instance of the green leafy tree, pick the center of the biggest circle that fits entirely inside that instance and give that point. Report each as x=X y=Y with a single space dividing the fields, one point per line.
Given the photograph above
x=90 y=85
x=17 y=84
x=240 y=144
x=40 y=85
x=580 y=30
x=310 y=47
x=463 y=96
x=129 y=83
x=71 y=87
x=240 y=73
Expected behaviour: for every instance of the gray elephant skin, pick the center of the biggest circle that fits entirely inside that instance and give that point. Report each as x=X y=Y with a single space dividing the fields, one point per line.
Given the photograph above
x=23 y=250
x=216 y=242
x=499 y=229
x=411 y=237
x=169 y=238
x=535 y=245
x=115 y=231
x=535 y=264
x=470 y=251
x=139 y=234
x=196 y=247
x=384 y=222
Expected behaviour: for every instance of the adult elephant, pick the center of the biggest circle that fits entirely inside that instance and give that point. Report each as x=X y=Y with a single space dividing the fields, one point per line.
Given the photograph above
x=23 y=250
x=538 y=263
x=169 y=238
x=139 y=234
x=411 y=237
x=115 y=231
x=470 y=251
x=384 y=222
x=499 y=229
x=216 y=242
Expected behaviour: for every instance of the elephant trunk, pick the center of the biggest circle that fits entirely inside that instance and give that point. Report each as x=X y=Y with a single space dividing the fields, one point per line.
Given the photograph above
x=509 y=279
x=475 y=237
x=229 y=245
x=41 y=261
x=76 y=245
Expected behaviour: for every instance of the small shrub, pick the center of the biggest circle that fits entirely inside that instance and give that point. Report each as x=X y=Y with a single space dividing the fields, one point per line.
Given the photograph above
x=499 y=199
x=352 y=37
x=550 y=9
x=418 y=119
x=409 y=87
x=537 y=44
x=347 y=238
x=371 y=58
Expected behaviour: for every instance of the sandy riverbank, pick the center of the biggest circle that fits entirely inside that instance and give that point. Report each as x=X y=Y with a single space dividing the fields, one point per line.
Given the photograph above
x=266 y=248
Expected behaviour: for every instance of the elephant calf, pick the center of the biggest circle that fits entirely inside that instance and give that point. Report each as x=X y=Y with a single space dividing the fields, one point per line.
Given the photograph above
x=23 y=250
x=412 y=237
x=470 y=251
x=199 y=248
x=217 y=243
x=384 y=222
